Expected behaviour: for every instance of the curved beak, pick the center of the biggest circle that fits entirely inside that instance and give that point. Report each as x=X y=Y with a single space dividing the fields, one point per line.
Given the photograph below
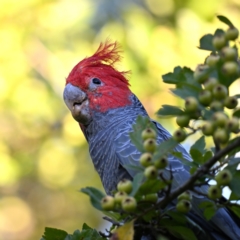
x=77 y=102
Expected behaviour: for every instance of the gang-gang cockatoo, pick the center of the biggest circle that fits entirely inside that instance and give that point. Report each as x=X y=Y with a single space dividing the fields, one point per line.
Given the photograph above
x=99 y=98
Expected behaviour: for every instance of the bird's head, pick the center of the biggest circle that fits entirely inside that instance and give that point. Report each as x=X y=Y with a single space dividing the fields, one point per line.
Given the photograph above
x=95 y=85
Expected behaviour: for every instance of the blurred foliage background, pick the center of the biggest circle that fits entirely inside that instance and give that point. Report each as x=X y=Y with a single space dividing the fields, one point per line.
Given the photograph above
x=44 y=159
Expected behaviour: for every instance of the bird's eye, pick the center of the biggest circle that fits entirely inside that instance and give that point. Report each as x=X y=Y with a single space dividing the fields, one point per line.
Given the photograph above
x=96 y=81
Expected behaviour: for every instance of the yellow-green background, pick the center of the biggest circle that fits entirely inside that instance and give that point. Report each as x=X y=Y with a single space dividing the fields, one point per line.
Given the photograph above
x=43 y=155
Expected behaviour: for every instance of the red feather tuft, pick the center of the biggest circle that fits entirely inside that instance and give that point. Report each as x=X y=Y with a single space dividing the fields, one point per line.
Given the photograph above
x=105 y=57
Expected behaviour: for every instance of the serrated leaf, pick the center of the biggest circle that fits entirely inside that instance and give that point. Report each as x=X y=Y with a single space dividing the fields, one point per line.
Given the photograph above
x=196 y=155
x=164 y=148
x=151 y=186
x=170 y=111
x=185 y=92
x=209 y=212
x=237 y=113
x=137 y=182
x=200 y=145
x=135 y=168
x=208 y=155
x=219 y=32
x=183 y=160
x=174 y=77
x=184 y=232
x=234 y=184
x=206 y=43
x=54 y=234
x=125 y=232
x=236 y=210
x=76 y=235
x=90 y=234
x=225 y=20
x=95 y=196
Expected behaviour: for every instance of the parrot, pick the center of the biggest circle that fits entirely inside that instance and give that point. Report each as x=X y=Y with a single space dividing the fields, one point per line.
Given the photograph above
x=100 y=100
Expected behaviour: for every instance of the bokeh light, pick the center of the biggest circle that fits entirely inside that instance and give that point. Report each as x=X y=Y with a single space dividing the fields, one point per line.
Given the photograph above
x=44 y=158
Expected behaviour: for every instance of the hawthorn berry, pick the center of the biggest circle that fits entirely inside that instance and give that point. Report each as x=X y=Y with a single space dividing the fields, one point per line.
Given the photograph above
x=150 y=172
x=124 y=185
x=148 y=133
x=183 y=206
x=183 y=120
x=129 y=204
x=232 y=33
x=146 y=159
x=214 y=192
x=179 y=135
x=150 y=145
x=224 y=177
x=108 y=203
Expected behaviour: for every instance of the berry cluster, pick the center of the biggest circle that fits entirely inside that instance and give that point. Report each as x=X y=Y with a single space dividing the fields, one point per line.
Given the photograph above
x=122 y=199
x=213 y=95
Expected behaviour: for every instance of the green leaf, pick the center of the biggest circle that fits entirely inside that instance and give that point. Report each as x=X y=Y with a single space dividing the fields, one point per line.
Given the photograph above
x=209 y=209
x=233 y=197
x=184 y=232
x=206 y=43
x=164 y=148
x=141 y=124
x=237 y=113
x=236 y=210
x=134 y=167
x=208 y=155
x=151 y=186
x=76 y=235
x=234 y=184
x=95 y=196
x=169 y=111
x=225 y=20
x=183 y=160
x=200 y=145
x=54 y=234
x=196 y=156
x=137 y=182
x=235 y=150
x=185 y=92
x=173 y=78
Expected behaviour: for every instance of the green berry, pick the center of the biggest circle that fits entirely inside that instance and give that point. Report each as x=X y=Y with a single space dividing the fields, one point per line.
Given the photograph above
x=224 y=177
x=179 y=135
x=185 y=196
x=220 y=91
x=212 y=60
x=146 y=159
x=210 y=83
x=191 y=104
x=232 y=33
x=205 y=97
x=220 y=119
x=233 y=125
x=119 y=196
x=216 y=106
x=214 y=192
x=124 y=185
x=183 y=206
x=152 y=197
x=151 y=172
x=161 y=163
x=148 y=133
x=230 y=102
x=183 y=120
x=200 y=74
x=150 y=145
x=219 y=41
x=108 y=203
x=221 y=136
x=229 y=54
x=208 y=128
x=230 y=68
x=129 y=204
